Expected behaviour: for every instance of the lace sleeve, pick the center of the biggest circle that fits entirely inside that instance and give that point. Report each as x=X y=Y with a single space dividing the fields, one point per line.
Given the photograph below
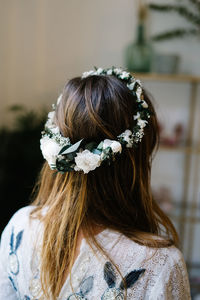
x=173 y=281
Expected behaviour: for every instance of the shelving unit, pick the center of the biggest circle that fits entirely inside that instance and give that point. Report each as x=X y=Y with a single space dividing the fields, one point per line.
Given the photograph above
x=191 y=155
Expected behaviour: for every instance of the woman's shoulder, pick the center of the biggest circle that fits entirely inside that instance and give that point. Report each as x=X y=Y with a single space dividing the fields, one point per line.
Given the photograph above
x=20 y=218
x=19 y=226
x=22 y=214
x=140 y=255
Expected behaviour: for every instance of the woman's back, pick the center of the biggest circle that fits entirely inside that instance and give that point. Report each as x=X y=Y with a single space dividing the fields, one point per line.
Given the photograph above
x=149 y=273
x=98 y=141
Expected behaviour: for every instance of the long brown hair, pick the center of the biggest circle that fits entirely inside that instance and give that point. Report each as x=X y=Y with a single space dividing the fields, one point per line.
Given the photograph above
x=116 y=196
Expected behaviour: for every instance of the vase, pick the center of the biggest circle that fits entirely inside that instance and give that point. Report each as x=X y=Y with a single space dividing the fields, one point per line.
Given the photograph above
x=139 y=54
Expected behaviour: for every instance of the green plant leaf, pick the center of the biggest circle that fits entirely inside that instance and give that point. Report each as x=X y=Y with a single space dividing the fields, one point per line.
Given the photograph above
x=63 y=149
x=100 y=146
x=70 y=156
x=96 y=151
x=182 y=10
x=72 y=148
x=90 y=146
x=176 y=33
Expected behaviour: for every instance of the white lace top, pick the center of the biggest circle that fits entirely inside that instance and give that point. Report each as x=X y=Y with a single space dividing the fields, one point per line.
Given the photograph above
x=149 y=274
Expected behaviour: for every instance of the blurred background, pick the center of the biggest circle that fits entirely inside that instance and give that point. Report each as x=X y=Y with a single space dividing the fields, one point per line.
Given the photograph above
x=43 y=43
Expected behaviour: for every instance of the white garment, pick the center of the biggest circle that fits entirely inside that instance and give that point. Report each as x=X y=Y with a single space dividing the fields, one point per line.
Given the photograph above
x=162 y=272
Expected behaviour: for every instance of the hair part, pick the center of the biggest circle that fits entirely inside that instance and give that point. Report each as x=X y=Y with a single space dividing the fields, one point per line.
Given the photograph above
x=116 y=196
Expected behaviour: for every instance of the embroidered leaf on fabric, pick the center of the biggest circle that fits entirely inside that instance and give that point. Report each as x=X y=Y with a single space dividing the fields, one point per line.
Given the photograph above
x=86 y=285
x=109 y=274
x=13 y=283
x=18 y=240
x=12 y=241
x=131 y=278
x=110 y=277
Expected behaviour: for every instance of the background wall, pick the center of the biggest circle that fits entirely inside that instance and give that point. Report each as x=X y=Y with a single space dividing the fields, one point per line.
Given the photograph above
x=45 y=42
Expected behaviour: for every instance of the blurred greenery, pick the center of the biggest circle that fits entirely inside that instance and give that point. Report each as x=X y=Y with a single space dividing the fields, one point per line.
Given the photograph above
x=20 y=158
x=189 y=11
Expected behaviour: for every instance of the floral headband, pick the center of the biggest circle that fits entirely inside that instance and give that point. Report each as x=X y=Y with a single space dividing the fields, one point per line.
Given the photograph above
x=64 y=156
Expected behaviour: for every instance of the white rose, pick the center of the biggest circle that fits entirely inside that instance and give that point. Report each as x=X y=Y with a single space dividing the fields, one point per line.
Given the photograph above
x=87 y=161
x=50 y=149
x=107 y=143
x=116 y=147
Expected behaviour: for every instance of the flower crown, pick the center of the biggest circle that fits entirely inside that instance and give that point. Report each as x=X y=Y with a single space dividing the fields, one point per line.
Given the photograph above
x=64 y=156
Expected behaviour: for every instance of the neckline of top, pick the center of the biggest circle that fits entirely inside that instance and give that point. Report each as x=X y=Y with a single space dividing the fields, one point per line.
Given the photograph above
x=103 y=237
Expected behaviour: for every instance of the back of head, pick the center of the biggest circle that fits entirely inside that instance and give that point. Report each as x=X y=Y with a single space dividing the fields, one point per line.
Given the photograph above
x=96 y=108
x=115 y=195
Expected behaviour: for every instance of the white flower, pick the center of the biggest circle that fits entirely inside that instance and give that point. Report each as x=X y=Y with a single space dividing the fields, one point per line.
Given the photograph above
x=127 y=132
x=49 y=124
x=50 y=149
x=128 y=137
x=109 y=72
x=59 y=99
x=87 y=161
x=117 y=71
x=51 y=115
x=99 y=71
x=115 y=146
x=106 y=143
x=139 y=92
x=50 y=121
x=124 y=75
x=55 y=130
x=89 y=73
x=136 y=117
x=141 y=123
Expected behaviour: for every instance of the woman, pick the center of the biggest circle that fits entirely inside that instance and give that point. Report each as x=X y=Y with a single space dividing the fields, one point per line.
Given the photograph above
x=94 y=230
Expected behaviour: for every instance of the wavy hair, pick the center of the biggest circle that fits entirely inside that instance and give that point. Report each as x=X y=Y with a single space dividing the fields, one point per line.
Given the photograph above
x=116 y=196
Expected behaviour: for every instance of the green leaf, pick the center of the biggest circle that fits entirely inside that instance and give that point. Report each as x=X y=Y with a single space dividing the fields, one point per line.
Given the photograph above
x=90 y=146
x=176 y=33
x=64 y=166
x=108 y=150
x=96 y=151
x=100 y=146
x=63 y=149
x=70 y=156
x=72 y=148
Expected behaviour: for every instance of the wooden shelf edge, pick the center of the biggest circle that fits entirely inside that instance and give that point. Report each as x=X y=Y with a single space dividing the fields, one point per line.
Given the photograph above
x=185 y=149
